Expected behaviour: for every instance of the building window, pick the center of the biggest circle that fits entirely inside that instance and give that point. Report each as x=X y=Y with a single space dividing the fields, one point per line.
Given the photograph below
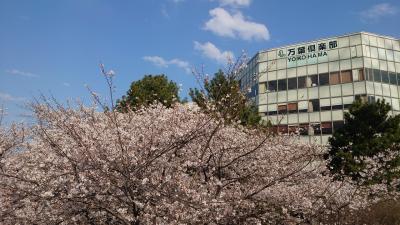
x=313 y=80
x=346 y=76
x=262 y=88
x=325 y=108
x=313 y=105
x=334 y=78
x=385 y=77
x=272 y=85
x=282 y=85
x=315 y=129
x=392 y=77
x=303 y=106
x=377 y=75
x=324 y=79
x=292 y=83
x=346 y=106
x=293 y=129
x=326 y=127
x=369 y=74
x=361 y=75
x=292 y=107
x=363 y=97
x=302 y=82
x=282 y=109
x=303 y=129
x=283 y=129
x=271 y=113
x=336 y=107
x=325 y=104
x=371 y=99
x=337 y=125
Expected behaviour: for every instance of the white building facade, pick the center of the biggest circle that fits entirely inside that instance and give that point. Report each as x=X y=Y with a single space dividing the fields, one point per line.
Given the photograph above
x=308 y=86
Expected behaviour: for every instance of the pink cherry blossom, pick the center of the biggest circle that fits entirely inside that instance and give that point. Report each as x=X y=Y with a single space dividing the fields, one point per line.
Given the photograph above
x=162 y=166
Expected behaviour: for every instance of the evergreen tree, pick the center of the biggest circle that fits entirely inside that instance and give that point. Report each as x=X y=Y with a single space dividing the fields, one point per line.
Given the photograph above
x=366 y=148
x=221 y=95
x=146 y=91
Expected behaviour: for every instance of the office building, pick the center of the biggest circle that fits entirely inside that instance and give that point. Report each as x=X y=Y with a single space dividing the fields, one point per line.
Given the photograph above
x=307 y=87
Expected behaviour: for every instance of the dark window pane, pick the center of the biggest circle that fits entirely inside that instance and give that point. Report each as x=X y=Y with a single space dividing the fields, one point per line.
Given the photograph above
x=302 y=82
x=303 y=129
x=334 y=78
x=272 y=113
x=369 y=74
x=377 y=75
x=346 y=76
x=324 y=79
x=385 y=77
x=282 y=109
x=272 y=85
x=313 y=105
x=392 y=77
x=398 y=78
x=326 y=127
x=317 y=128
x=346 y=106
x=337 y=125
x=303 y=110
x=314 y=80
x=335 y=107
x=325 y=108
x=292 y=83
x=371 y=99
x=282 y=85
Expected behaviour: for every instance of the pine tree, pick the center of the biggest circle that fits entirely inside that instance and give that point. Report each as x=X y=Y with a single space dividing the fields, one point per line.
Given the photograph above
x=366 y=148
x=224 y=95
x=148 y=90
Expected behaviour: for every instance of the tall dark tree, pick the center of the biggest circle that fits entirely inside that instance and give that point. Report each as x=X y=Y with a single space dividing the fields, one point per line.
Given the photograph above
x=148 y=90
x=221 y=95
x=367 y=147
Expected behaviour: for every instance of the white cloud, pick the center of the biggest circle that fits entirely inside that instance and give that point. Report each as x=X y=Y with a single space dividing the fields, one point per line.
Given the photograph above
x=378 y=11
x=67 y=84
x=234 y=3
x=16 y=72
x=9 y=98
x=181 y=64
x=209 y=50
x=161 y=62
x=157 y=60
x=235 y=25
x=177 y=1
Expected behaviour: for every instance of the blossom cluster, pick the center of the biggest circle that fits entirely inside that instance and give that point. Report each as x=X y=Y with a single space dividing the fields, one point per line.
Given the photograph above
x=162 y=165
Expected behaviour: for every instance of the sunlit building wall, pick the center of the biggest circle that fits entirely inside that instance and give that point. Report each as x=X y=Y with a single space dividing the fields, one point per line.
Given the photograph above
x=306 y=87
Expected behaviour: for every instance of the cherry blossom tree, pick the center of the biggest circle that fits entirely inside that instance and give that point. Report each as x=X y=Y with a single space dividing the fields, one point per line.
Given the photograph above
x=158 y=165
x=162 y=166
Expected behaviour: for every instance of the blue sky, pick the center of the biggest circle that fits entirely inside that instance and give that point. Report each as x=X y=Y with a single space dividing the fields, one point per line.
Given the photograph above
x=54 y=47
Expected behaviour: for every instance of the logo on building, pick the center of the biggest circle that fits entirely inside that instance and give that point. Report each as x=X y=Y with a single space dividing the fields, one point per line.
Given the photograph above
x=308 y=52
x=281 y=53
